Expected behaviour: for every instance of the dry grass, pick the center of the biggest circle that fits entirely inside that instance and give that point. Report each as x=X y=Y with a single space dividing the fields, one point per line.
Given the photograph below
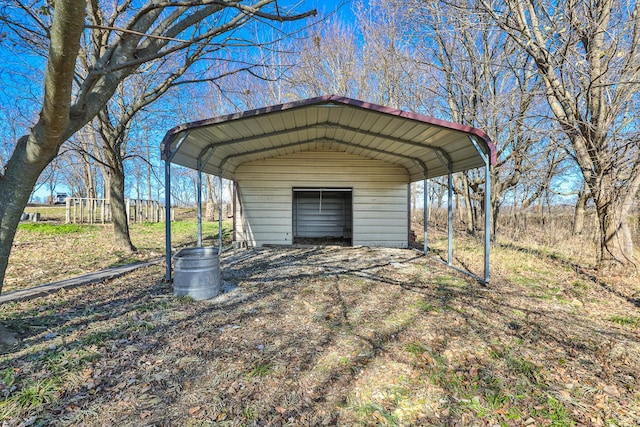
x=50 y=250
x=333 y=336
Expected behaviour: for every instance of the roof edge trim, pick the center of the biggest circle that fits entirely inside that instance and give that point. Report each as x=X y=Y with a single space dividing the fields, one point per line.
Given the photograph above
x=330 y=99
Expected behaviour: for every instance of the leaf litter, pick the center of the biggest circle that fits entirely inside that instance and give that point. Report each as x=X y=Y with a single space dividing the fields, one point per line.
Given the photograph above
x=323 y=336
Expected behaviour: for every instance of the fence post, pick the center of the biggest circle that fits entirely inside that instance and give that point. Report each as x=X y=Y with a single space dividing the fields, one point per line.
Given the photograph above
x=67 y=214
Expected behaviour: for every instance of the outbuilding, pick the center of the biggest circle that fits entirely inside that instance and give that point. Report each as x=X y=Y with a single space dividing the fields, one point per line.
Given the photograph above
x=325 y=169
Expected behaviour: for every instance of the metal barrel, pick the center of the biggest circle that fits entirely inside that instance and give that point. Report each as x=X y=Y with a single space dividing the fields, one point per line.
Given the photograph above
x=197 y=273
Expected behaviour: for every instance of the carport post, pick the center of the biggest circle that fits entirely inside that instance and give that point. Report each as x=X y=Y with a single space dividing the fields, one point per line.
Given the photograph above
x=450 y=218
x=487 y=219
x=220 y=216
x=487 y=208
x=167 y=218
x=199 y=203
x=167 y=155
x=425 y=206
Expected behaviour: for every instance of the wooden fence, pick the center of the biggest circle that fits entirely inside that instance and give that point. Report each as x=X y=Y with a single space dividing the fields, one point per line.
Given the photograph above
x=83 y=210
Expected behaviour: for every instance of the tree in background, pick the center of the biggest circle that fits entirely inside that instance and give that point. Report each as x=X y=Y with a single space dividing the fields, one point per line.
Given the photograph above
x=587 y=54
x=125 y=36
x=329 y=62
x=480 y=78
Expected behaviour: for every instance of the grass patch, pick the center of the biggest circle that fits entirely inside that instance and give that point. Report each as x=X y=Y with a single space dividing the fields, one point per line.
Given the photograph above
x=373 y=412
x=124 y=259
x=55 y=229
x=185 y=300
x=261 y=370
x=523 y=367
x=35 y=394
x=416 y=349
x=449 y=281
x=633 y=321
x=555 y=411
x=99 y=337
x=8 y=377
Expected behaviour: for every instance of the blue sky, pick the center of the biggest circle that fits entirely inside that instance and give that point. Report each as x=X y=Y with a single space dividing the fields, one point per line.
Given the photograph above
x=343 y=8
x=21 y=77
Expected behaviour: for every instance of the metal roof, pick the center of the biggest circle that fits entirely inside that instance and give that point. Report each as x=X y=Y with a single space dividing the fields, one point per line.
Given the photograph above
x=425 y=146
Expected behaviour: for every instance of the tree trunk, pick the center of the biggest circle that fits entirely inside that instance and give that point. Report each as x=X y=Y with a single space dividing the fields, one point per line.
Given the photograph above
x=541 y=217
x=149 y=195
x=616 y=244
x=210 y=211
x=106 y=180
x=89 y=178
x=468 y=206
x=212 y=199
x=21 y=174
x=578 y=214
x=414 y=196
x=121 y=236
x=35 y=151
x=122 y=240
x=495 y=210
x=230 y=192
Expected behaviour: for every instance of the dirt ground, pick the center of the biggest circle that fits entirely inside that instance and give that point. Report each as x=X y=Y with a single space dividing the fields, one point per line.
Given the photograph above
x=326 y=336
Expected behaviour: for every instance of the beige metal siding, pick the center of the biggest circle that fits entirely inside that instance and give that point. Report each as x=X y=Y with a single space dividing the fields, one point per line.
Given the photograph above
x=265 y=193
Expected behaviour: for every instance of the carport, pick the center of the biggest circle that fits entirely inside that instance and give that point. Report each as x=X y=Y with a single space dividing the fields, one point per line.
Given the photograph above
x=421 y=146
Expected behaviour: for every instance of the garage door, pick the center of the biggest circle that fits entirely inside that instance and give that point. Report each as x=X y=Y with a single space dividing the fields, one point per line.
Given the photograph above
x=322 y=213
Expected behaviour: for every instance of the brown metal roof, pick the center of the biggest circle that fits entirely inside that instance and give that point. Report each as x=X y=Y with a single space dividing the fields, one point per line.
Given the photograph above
x=425 y=146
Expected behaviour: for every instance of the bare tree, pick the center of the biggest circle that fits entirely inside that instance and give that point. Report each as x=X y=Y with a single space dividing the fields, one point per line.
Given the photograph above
x=84 y=147
x=390 y=76
x=212 y=198
x=370 y=59
x=329 y=62
x=588 y=56
x=479 y=77
x=125 y=39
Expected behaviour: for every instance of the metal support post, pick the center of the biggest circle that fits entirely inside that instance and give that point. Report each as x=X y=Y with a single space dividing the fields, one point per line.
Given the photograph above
x=425 y=211
x=220 y=216
x=450 y=219
x=487 y=208
x=167 y=219
x=199 y=203
x=487 y=220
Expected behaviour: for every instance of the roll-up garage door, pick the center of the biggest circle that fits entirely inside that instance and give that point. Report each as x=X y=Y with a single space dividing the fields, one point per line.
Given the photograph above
x=322 y=213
